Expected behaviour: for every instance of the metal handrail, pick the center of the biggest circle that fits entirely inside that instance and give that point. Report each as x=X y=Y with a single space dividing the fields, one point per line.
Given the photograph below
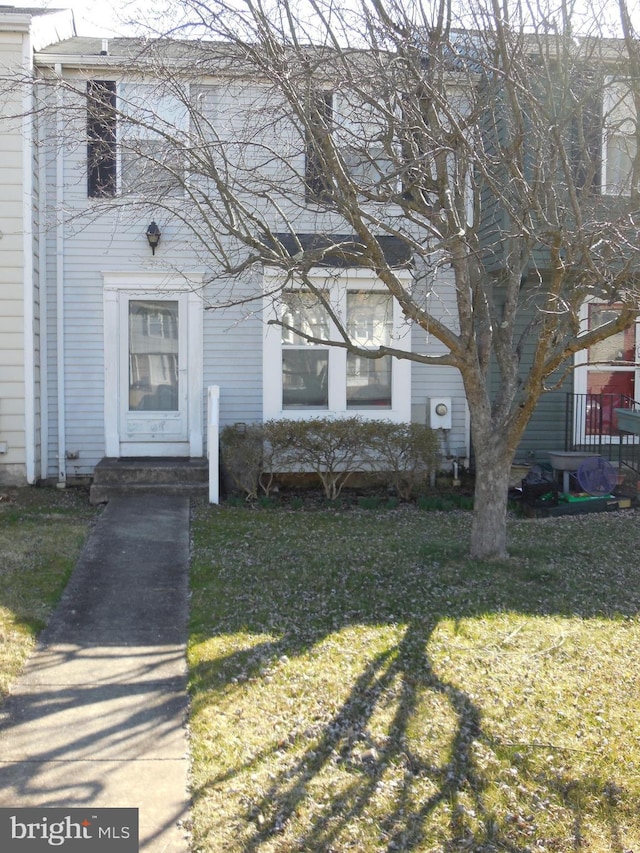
x=592 y=425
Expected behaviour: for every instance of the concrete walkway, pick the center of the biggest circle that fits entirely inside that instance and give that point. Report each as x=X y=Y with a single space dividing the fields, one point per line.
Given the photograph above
x=98 y=717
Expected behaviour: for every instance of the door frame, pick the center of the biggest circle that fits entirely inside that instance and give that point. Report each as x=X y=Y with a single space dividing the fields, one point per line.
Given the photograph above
x=152 y=285
x=582 y=367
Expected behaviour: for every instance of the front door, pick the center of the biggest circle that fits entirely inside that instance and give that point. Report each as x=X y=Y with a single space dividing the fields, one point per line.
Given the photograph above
x=153 y=370
x=153 y=376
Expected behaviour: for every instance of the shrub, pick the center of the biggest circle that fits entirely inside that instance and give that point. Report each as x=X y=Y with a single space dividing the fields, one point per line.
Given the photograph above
x=407 y=452
x=243 y=456
x=372 y=502
x=333 y=449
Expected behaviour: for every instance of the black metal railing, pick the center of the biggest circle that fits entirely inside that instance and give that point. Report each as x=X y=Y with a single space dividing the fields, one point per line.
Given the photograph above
x=591 y=425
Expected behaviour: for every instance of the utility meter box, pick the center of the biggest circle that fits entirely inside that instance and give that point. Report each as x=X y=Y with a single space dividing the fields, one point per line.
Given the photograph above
x=440 y=412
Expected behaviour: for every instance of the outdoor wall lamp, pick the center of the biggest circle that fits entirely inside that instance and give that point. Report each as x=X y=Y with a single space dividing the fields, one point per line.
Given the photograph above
x=153 y=236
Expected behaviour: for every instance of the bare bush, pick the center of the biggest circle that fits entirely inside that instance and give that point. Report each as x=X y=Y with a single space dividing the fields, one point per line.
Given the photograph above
x=332 y=449
x=406 y=453
x=243 y=456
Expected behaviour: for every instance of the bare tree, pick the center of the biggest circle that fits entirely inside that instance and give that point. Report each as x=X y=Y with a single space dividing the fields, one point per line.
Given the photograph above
x=475 y=142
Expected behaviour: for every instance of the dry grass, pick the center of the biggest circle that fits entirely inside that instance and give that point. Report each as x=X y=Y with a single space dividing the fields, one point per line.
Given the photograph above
x=359 y=684
x=41 y=533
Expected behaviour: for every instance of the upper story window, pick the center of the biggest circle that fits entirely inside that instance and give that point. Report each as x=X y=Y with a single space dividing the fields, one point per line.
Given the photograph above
x=304 y=376
x=135 y=132
x=153 y=123
x=620 y=144
x=317 y=183
x=364 y=134
x=360 y=133
x=101 y=138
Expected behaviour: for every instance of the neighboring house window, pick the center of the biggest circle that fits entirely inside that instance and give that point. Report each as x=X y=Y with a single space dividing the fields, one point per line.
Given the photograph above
x=620 y=145
x=304 y=378
x=101 y=138
x=606 y=376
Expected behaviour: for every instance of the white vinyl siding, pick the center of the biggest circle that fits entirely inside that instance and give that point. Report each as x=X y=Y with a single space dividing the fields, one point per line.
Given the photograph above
x=12 y=274
x=232 y=353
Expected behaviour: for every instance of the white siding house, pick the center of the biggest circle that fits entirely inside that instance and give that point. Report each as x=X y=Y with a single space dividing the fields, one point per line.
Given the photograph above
x=21 y=32
x=133 y=337
x=109 y=343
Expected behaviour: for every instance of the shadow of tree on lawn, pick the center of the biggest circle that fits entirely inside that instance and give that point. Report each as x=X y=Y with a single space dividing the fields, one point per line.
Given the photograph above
x=343 y=735
x=419 y=783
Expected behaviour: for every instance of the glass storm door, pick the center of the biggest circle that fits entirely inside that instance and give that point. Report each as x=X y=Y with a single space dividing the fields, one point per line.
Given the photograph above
x=153 y=382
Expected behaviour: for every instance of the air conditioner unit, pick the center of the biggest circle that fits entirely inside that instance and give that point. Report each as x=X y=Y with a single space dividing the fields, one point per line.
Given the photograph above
x=440 y=412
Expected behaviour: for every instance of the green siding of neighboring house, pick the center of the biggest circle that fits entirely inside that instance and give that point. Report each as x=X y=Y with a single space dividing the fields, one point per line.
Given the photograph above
x=547 y=427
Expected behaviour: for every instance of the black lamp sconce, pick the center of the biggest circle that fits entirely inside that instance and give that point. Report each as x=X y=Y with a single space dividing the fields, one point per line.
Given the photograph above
x=153 y=236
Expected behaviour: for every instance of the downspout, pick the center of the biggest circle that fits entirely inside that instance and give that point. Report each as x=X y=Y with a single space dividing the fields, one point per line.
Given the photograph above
x=28 y=295
x=43 y=276
x=60 y=338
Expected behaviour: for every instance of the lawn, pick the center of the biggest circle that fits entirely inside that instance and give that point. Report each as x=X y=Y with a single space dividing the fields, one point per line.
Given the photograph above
x=359 y=684
x=41 y=534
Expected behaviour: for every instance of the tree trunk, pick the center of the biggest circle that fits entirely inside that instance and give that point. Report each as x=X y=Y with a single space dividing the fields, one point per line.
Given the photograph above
x=489 y=528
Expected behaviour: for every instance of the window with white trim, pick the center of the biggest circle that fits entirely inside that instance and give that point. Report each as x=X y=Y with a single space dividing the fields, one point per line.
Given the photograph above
x=607 y=375
x=305 y=365
x=310 y=378
x=369 y=325
x=620 y=145
x=134 y=136
x=152 y=124
x=361 y=132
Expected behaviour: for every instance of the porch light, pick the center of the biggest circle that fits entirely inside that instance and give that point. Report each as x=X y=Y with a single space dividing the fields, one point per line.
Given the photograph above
x=153 y=236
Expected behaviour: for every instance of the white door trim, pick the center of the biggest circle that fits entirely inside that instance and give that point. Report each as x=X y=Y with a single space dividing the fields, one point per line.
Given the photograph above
x=139 y=285
x=582 y=368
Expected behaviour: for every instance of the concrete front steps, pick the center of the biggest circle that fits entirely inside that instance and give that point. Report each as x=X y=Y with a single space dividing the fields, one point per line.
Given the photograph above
x=131 y=476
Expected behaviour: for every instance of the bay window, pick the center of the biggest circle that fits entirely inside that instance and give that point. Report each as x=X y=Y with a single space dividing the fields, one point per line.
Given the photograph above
x=306 y=377
x=370 y=325
x=305 y=366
